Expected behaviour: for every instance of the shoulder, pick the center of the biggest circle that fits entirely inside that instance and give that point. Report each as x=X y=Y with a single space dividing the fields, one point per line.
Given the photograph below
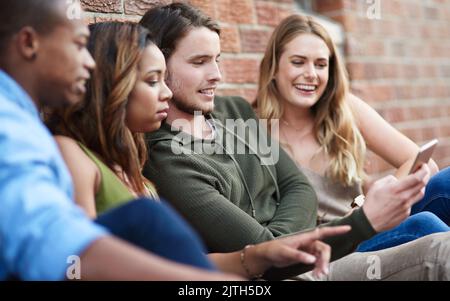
x=73 y=153
x=23 y=137
x=66 y=142
x=68 y=145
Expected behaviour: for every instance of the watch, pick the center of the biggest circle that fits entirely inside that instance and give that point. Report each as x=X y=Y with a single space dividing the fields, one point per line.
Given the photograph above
x=358 y=201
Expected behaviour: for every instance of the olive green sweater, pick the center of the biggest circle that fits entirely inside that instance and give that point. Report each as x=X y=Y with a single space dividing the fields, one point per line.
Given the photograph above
x=234 y=199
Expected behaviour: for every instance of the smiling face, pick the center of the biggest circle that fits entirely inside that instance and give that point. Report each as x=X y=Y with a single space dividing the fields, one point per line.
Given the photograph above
x=194 y=71
x=148 y=101
x=303 y=71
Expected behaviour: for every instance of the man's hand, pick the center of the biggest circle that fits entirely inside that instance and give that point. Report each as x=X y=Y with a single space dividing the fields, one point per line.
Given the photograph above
x=304 y=248
x=389 y=200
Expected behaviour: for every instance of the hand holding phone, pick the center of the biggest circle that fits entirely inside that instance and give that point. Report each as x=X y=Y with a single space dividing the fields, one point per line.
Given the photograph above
x=424 y=155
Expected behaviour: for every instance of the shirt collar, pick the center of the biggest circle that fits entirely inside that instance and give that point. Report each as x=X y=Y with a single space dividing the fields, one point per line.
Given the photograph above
x=15 y=93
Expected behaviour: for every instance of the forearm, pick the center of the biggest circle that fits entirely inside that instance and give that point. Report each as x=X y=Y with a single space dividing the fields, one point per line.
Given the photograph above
x=232 y=262
x=111 y=259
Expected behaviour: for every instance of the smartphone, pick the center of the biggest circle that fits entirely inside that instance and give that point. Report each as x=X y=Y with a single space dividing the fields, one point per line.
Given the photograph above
x=424 y=155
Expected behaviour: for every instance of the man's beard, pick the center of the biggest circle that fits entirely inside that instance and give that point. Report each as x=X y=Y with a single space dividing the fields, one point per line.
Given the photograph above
x=189 y=108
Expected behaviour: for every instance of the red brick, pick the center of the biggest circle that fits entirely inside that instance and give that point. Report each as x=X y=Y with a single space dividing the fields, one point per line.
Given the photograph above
x=444 y=71
x=388 y=28
x=102 y=6
x=240 y=71
x=431 y=13
x=353 y=46
x=355 y=71
x=235 y=11
x=398 y=49
x=374 y=92
x=422 y=91
x=349 y=22
x=372 y=71
x=374 y=48
x=413 y=11
x=428 y=71
x=270 y=13
x=254 y=40
x=414 y=134
x=140 y=7
x=229 y=39
x=207 y=6
x=393 y=7
x=365 y=25
x=404 y=91
x=394 y=115
x=410 y=71
x=105 y=18
x=328 y=5
x=380 y=92
x=389 y=71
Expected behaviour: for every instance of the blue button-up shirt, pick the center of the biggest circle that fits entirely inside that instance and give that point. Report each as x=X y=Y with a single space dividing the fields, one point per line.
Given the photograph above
x=40 y=226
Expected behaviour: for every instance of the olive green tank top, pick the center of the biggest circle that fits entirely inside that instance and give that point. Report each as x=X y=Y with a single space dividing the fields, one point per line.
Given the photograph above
x=112 y=192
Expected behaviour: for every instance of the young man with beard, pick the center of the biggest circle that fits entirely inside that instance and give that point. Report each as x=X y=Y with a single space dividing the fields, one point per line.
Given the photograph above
x=234 y=199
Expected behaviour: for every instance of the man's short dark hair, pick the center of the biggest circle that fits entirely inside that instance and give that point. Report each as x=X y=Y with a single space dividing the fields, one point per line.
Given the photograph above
x=170 y=23
x=17 y=14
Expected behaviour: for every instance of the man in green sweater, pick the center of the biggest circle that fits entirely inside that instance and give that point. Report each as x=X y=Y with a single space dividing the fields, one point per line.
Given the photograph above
x=231 y=183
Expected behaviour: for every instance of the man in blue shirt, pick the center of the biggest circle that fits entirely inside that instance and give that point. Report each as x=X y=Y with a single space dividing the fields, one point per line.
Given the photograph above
x=44 y=61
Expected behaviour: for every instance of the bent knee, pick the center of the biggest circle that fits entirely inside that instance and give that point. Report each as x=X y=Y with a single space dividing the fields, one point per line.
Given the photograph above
x=426 y=222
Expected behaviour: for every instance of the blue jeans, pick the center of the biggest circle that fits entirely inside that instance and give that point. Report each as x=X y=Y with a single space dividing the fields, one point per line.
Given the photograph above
x=437 y=196
x=428 y=216
x=157 y=228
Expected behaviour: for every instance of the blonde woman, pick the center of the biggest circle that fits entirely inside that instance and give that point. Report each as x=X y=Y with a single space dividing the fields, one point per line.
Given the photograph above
x=325 y=129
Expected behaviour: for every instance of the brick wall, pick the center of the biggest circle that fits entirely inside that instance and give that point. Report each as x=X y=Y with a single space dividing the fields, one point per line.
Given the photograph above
x=400 y=63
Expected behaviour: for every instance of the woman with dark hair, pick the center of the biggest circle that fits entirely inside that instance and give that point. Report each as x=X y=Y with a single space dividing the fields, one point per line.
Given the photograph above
x=102 y=141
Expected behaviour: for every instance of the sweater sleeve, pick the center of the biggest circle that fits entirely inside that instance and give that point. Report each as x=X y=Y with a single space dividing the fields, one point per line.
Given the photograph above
x=189 y=185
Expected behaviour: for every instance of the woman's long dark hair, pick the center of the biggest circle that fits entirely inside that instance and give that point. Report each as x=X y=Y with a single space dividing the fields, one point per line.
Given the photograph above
x=99 y=121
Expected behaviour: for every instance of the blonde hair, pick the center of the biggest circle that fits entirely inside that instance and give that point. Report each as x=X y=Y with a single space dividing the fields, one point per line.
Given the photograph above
x=334 y=125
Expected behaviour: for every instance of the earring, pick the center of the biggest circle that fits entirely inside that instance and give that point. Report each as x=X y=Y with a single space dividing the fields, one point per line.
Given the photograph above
x=34 y=56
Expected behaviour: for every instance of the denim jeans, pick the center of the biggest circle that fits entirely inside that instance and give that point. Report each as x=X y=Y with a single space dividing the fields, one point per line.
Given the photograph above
x=437 y=196
x=157 y=228
x=428 y=216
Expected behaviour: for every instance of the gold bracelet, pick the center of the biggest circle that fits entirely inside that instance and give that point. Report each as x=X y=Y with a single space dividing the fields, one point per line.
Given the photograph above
x=244 y=265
